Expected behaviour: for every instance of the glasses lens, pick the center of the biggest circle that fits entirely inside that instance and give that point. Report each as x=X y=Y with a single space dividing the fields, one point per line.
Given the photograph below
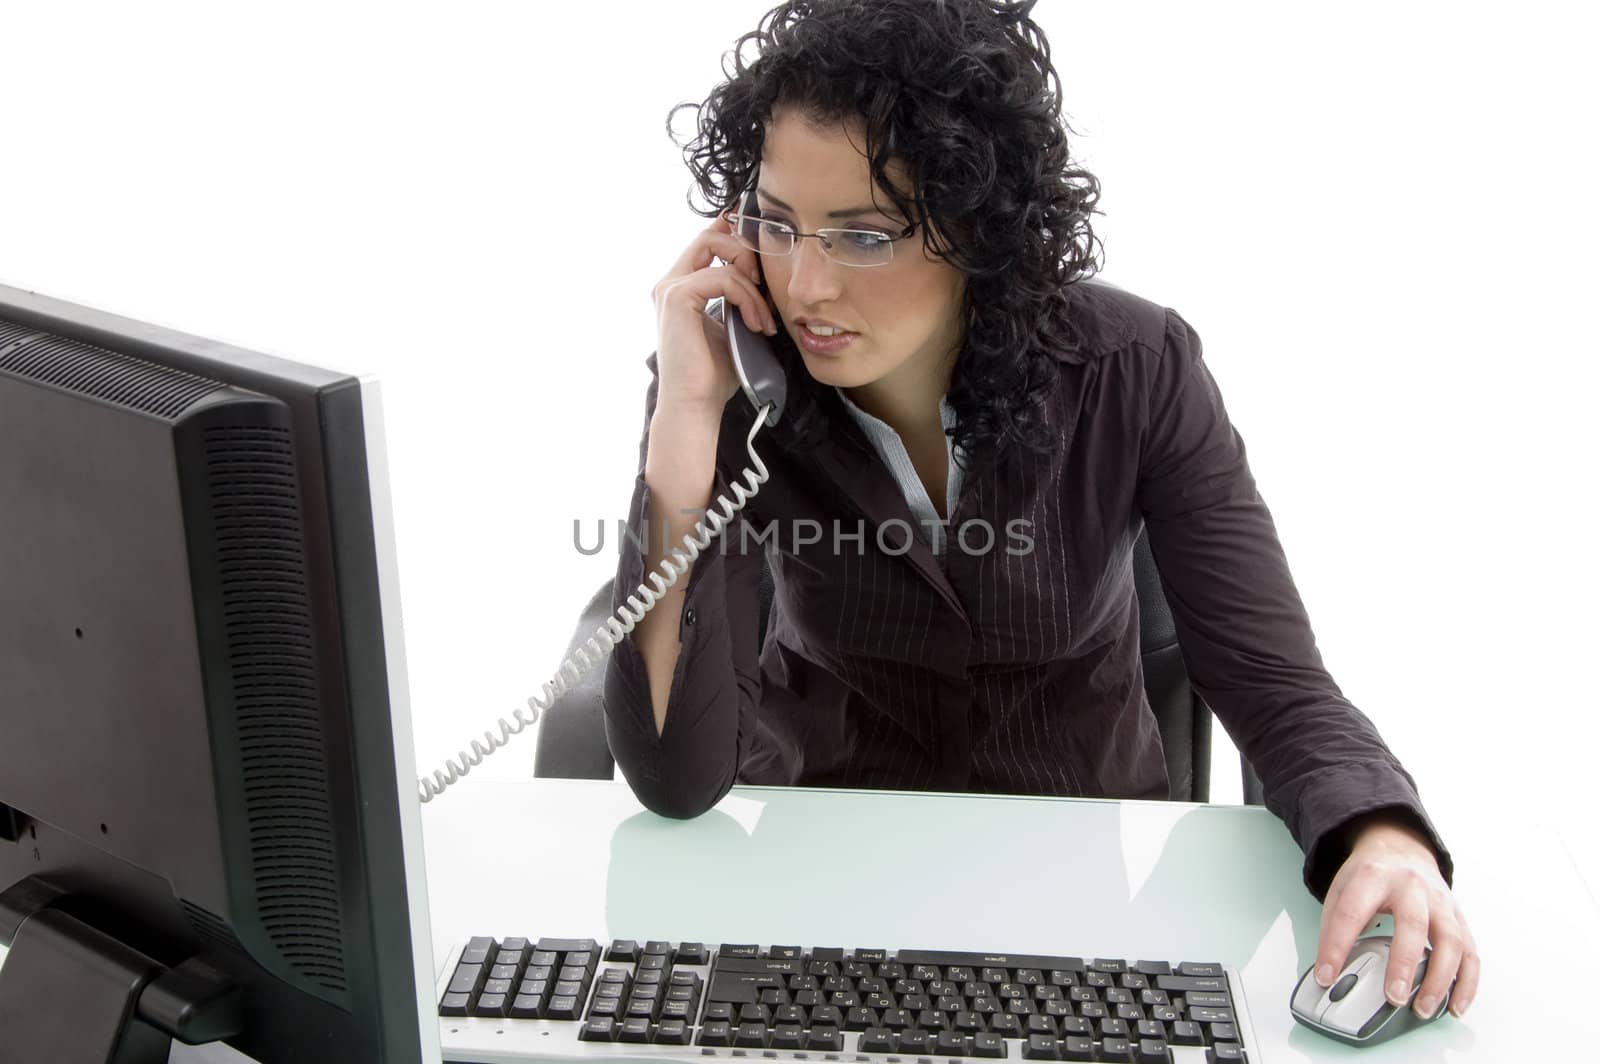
x=769 y=238
x=857 y=247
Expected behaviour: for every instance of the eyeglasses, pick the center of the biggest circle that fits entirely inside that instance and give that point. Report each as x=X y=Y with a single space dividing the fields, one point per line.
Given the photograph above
x=849 y=247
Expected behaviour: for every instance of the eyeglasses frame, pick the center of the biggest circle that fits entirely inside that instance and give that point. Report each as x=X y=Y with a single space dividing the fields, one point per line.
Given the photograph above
x=736 y=221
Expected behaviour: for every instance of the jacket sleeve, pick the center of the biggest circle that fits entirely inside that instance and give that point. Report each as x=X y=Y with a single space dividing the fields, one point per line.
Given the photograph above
x=716 y=684
x=1246 y=638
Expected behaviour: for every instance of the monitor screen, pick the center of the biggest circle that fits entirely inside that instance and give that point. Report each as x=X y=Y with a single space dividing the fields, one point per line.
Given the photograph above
x=209 y=824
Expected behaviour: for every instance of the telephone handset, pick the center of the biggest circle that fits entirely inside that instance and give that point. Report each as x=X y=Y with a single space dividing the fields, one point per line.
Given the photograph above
x=762 y=380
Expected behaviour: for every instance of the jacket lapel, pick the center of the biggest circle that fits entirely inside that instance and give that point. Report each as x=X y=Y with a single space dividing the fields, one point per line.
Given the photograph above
x=847 y=456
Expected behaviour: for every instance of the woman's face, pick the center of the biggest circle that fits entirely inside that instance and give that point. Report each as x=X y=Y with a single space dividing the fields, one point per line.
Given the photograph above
x=905 y=316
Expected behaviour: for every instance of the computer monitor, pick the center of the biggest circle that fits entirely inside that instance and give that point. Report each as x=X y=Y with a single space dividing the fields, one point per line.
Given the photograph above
x=209 y=823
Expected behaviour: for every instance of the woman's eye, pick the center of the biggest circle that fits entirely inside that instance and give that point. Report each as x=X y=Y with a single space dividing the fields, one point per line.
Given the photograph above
x=865 y=239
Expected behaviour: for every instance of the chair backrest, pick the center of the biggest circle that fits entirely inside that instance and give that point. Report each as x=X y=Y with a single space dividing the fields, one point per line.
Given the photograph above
x=572 y=742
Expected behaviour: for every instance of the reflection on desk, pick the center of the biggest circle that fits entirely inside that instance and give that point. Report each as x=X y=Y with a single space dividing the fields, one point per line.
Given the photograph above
x=1035 y=875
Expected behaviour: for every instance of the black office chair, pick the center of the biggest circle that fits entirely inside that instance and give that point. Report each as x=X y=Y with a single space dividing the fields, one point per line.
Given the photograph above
x=572 y=739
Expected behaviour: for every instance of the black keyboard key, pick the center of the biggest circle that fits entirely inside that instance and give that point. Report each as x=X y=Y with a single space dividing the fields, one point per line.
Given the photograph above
x=603 y=1005
x=715 y=1033
x=1153 y=968
x=635 y=1029
x=895 y=1019
x=566 y=945
x=503 y=971
x=693 y=953
x=1183 y=984
x=1202 y=1014
x=1006 y=1025
x=915 y=1042
x=968 y=1021
x=951 y=1044
x=1152 y=1051
x=789 y=1014
x=786 y=953
x=1226 y=1053
x=788 y=1036
x=673 y=1033
x=1222 y=1032
x=1149 y=1029
x=750 y=1035
x=1041 y=1047
x=1113 y=1029
x=857 y=1019
x=1187 y=1033
x=1077 y=1048
x=1119 y=1050
x=677 y=1010
x=544 y=957
x=598 y=1029
x=526 y=1007
x=625 y=950
x=876 y=1040
x=1191 y=968
x=1041 y=1025
x=454 y=1004
x=825 y=1039
x=562 y=1008
x=468 y=978
x=871 y=956
x=755 y=1014
x=1208 y=999
x=931 y=1020
x=729 y=950
x=988 y=1044
x=1111 y=965
x=478 y=950
x=1075 y=1027
x=827 y=1016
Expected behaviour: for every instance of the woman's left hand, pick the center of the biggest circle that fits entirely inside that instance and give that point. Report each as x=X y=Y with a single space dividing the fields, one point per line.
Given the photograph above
x=1392 y=869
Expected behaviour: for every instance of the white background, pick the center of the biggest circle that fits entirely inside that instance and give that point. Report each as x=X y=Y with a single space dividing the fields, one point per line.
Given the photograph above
x=1380 y=217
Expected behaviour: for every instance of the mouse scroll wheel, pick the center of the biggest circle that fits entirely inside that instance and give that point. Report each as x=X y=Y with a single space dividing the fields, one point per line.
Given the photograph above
x=1342 y=987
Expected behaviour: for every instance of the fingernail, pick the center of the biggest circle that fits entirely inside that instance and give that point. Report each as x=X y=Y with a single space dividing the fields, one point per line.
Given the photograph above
x=1426 y=1005
x=1460 y=1005
x=1325 y=975
x=1397 y=991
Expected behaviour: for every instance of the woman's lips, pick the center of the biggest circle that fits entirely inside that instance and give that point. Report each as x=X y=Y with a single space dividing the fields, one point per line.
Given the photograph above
x=824 y=345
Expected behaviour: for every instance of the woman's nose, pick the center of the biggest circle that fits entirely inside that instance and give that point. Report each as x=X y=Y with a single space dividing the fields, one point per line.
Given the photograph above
x=813 y=277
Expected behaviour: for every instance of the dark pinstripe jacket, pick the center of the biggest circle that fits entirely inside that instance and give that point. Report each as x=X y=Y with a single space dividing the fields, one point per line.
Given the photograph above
x=1011 y=669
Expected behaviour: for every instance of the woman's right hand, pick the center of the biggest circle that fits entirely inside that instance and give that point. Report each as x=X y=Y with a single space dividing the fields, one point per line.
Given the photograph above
x=694 y=365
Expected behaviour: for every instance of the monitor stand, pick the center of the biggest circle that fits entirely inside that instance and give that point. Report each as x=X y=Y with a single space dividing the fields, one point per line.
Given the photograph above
x=72 y=994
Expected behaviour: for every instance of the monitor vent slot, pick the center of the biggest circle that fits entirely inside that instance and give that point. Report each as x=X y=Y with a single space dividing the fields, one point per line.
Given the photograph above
x=272 y=664
x=100 y=374
x=210 y=927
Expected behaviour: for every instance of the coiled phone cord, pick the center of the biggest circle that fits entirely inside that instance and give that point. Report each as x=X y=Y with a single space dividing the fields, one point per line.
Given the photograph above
x=614 y=630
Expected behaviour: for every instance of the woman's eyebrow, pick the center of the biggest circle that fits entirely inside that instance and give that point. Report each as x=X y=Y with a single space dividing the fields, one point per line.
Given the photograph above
x=852 y=212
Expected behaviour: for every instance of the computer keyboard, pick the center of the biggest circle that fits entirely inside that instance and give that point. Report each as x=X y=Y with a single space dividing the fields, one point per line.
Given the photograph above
x=515 y=999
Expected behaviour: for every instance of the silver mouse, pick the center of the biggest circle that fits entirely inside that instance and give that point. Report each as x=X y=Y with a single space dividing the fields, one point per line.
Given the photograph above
x=1355 y=1009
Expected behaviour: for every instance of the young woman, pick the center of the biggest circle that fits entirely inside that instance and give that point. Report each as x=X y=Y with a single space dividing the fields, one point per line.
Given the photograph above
x=976 y=432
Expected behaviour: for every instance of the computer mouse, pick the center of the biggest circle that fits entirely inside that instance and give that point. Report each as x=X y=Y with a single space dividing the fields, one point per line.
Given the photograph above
x=1355 y=1009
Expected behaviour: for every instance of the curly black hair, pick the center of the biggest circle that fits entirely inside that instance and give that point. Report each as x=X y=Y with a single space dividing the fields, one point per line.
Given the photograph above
x=964 y=94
